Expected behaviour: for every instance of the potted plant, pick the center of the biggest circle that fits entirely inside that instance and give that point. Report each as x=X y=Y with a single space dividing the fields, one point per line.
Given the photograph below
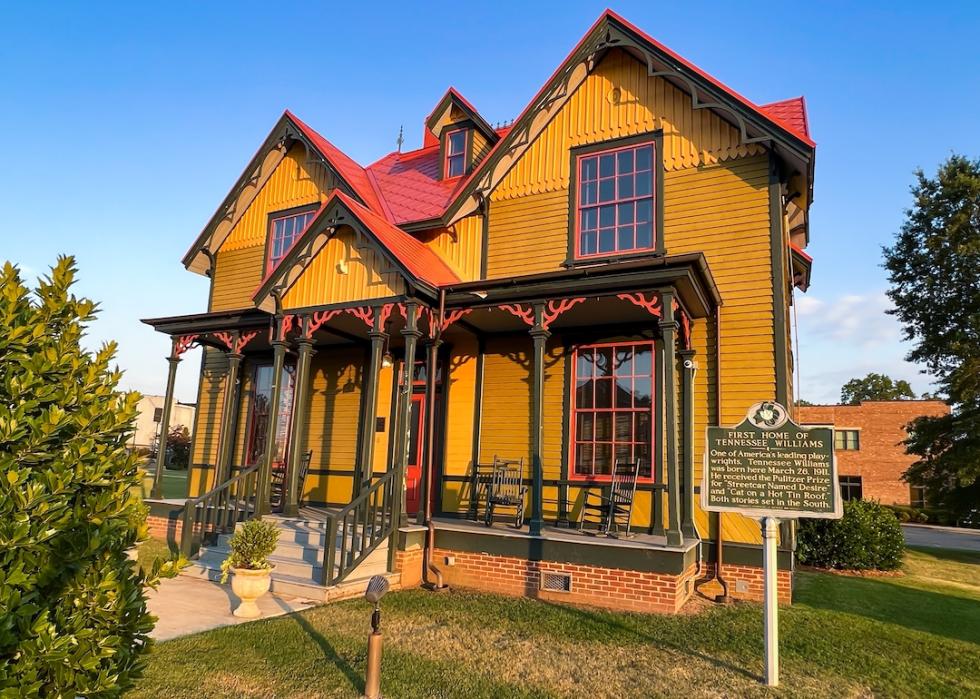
x=251 y=545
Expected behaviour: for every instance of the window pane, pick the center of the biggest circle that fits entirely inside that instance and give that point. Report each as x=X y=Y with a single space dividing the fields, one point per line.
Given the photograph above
x=603 y=459
x=457 y=142
x=607 y=189
x=583 y=393
x=604 y=361
x=603 y=427
x=583 y=459
x=643 y=433
x=624 y=455
x=603 y=393
x=587 y=245
x=624 y=392
x=624 y=362
x=625 y=161
x=607 y=240
x=583 y=360
x=644 y=236
x=641 y=392
x=625 y=186
x=287 y=229
x=644 y=158
x=644 y=209
x=607 y=165
x=607 y=216
x=589 y=168
x=625 y=238
x=624 y=427
x=590 y=219
x=644 y=184
x=589 y=193
x=625 y=213
x=584 y=427
x=642 y=361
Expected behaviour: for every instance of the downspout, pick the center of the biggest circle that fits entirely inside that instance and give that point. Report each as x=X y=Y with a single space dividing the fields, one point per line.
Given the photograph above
x=719 y=539
x=430 y=388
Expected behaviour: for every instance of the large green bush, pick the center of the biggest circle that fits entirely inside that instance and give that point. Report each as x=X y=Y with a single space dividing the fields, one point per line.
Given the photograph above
x=73 y=617
x=867 y=537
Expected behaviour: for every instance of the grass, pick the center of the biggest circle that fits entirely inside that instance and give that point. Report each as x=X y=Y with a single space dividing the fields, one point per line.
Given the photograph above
x=174 y=483
x=915 y=635
x=153 y=549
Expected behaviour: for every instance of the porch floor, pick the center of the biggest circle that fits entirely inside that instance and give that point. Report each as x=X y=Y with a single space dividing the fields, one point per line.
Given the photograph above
x=569 y=534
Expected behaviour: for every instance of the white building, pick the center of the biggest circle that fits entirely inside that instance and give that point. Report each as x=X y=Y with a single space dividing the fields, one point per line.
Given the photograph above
x=148 y=420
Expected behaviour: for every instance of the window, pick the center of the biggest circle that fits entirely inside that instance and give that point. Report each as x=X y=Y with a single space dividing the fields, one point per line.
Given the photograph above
x=284 y=232
x=615 y=201
x=455 y=153
x=917 y=496
x=850 y=487
x=157 y=414
x=847 y=440
x=259 y=419
x=612 y=408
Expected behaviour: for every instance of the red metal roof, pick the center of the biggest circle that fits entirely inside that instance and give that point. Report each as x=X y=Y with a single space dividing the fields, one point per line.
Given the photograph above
x=422 y=262
x=345 y=166
x=792 y=113
x=410 y=184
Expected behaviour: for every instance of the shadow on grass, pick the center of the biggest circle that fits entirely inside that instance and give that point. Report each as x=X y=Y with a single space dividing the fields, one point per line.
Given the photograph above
x=329 y=653
x=605 y=620
x=946 y=615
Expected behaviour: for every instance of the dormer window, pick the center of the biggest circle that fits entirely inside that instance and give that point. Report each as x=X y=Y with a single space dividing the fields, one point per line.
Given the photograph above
x=285 y=228
x=455 y=163
x=615 y=206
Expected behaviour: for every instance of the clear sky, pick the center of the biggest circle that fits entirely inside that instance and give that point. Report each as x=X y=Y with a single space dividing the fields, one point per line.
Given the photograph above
x=124 y=125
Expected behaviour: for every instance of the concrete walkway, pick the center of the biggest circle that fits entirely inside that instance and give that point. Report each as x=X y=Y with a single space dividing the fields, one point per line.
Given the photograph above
x=941 y=537
x=185 y=605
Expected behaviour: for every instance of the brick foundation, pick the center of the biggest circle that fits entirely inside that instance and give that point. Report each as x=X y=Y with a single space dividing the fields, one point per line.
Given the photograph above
x=167 y=528
x=409 y=565
x=750 y=579
x=594 y=586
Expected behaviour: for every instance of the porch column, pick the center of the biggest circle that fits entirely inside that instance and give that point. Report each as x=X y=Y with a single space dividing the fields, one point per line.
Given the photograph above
x=428 y=463
x=365 y=460
x=230 y=404
x=411 y=334
x=297 y=440
x=173 y=360
x=265 y=473
x=690 y=368
x=539 y=336
x=668 y=330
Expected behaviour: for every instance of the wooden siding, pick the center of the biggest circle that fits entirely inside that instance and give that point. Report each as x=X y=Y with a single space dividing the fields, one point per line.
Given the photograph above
x=335 y=396
x=347 y=268
x=460 y=245
x=481 y=146
x=460 y=406
x=241 y=257
x=207 y=418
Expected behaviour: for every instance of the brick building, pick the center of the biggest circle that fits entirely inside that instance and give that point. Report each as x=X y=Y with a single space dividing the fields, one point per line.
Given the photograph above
x=870 y=455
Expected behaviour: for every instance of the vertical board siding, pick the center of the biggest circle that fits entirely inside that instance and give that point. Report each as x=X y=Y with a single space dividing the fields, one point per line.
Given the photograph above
x=481 y=146
x=461 y=246
x=459 y=406
x=335 y=395
x=345 y=269
x=241 y=257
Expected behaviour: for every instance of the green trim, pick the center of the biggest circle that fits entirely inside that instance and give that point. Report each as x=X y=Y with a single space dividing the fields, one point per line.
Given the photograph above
x=668 y=331
x=566 y=447
x=738 y=554
x=655 y=137
x=589 y=552
x=485 y=243
x=657 y=504
x=779 y=302
x=687 y=425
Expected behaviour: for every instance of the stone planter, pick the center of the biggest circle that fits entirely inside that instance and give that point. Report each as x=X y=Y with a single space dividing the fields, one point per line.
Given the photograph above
x=249 y=585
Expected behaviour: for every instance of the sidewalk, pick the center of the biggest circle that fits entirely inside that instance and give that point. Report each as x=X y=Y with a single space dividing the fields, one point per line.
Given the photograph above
x=935 y=536
x=185 y=605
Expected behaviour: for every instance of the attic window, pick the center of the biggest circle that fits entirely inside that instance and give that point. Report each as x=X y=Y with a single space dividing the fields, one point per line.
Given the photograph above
x=285 y=228
x=455 y=165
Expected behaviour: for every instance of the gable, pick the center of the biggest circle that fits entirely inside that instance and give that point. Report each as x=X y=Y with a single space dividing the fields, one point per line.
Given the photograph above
x=617 y=99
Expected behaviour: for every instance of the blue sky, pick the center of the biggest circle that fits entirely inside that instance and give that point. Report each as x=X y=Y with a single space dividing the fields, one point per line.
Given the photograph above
x=124 y=126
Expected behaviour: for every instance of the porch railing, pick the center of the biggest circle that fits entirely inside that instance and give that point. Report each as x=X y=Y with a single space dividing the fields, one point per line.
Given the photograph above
x=359 y=528
x=220 y=509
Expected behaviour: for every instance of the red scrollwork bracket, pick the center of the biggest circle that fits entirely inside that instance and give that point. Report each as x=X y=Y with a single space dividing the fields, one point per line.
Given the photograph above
x=685 y=325
x=552 y=310
x=318 y=318
x=651 y=303
x=236 y=344
x=183 y=343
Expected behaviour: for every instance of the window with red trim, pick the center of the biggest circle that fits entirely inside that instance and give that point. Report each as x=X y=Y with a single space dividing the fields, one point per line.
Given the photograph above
x=455 y=165
x=284 y=230
x=612 y=408
x=615 y=207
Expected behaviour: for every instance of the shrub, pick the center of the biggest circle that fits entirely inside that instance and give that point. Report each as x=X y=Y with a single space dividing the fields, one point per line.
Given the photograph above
x=73 y=617
x=251 y=545
x=867 y=537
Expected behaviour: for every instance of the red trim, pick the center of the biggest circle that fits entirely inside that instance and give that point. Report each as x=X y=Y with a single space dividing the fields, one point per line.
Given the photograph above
x=573 y=414
x=652 y=303
x=552 y=310
x=320 y=317
x=447 y=154
x=235 y=345
x=521 y=310
x=616 y=201
x=183 y=343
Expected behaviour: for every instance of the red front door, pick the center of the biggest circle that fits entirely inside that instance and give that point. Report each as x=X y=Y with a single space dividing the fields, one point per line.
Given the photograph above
x=416 y=441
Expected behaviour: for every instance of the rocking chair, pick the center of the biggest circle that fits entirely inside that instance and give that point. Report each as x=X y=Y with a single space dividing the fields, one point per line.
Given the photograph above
x=277 y=489
x=507 y=489
x=612 y=510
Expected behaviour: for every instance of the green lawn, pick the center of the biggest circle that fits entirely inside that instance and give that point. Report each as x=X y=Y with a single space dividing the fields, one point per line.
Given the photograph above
x=916 y=635
x=174 y=483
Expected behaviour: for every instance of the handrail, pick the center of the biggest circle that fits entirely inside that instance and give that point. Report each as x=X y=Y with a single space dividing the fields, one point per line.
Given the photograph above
x=358 y=528
x=220 y=509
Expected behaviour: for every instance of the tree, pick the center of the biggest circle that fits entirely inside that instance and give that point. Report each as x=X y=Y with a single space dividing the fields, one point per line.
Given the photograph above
x=179 y=446
x=933 y=269
x=875 y=387
x=73 y=617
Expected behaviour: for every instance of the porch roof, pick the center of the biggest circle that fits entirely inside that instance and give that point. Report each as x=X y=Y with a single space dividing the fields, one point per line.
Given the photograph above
x=216 y=321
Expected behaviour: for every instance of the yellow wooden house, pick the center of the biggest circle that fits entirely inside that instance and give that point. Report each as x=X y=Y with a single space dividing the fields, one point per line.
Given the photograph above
x=547 y=314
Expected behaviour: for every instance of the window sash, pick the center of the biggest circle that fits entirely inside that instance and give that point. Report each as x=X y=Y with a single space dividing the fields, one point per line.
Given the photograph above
x=456 y=153
x=283 y=234
x=595 y=234
x=605 y=426
x=847 y=440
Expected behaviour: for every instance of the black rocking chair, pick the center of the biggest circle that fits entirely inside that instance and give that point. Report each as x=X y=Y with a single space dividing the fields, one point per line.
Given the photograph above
x=277 y=490
x=612 y=510
x=507 y=489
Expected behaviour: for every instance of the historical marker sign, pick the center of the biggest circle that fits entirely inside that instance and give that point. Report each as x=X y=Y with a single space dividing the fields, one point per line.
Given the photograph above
x=768 y=466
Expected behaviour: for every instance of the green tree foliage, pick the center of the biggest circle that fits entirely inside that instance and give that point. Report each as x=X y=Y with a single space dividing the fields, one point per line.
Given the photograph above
x=875 y=387
x=867 y=537
x=179 y=446
x=73 y=617
x=934 y=269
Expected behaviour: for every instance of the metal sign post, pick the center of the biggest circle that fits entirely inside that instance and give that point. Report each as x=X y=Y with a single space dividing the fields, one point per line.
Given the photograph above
x=770 y=468
x=770 y=530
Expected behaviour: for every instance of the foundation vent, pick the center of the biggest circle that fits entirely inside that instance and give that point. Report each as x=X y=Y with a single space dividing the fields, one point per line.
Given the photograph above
x=556 y=582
